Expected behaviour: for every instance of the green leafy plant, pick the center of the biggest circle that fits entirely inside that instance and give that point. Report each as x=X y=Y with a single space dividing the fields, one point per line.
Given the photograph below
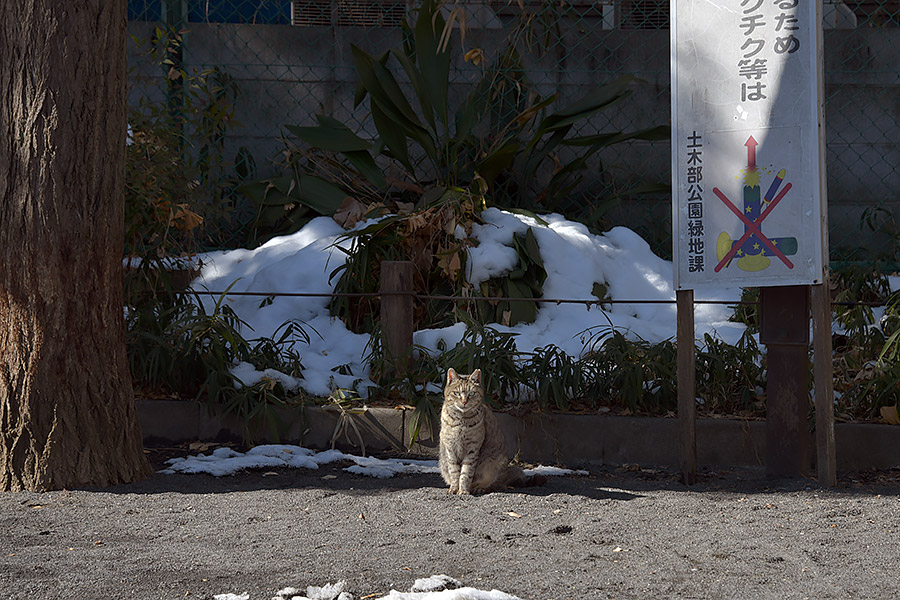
x=411 y=386
x=435 y=238
x=869 y=366
x=634 y=375
x=747 y=311
x=278 y=352
x=428 y=236
x=517 y=151
x=182 y=349
x=730 y=378
x=857 y=283
x=480 y=347
x=179 y=185
x=556 y=378
x=890 y=324
x=526 y=280
x=495 y=353
x=257 y=408
x=858 y=349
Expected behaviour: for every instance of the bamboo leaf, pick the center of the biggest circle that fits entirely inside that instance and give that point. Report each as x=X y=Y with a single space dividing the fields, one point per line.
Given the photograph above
x=528 y=213
x=432 y=196
x=653 y=134
x=535 y=159
x=394 y=139
x=423 y=93
x=498 y=161
x=600 y=139
x=365 y=68
x=365 y=164
x=320 y=195
x=391 y=95
x=336 y=139
x=605 y=95
x=255 y=190
x=520 y=312
x=532 y=249
x=434 y=64
x=473 y=111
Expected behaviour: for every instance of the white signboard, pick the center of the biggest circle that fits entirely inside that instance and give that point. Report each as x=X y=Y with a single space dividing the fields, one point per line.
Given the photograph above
x=748 y=175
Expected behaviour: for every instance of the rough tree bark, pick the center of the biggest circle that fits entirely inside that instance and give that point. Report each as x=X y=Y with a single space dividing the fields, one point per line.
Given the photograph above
x=67 y=414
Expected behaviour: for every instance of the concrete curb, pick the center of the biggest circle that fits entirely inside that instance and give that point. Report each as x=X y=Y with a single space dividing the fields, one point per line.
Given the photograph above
x=548 y=438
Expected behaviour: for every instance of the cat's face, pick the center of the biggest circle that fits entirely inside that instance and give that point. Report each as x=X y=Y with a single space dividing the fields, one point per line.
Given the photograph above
x=463 y=392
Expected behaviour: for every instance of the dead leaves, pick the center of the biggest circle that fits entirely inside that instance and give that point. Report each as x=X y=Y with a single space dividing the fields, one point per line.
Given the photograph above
x=890 y=416
x=450 y=264
x=430 y=238
x=350 y=213
x=433 y=233
x=475 y=56
x=179 y=216
x=201 y=446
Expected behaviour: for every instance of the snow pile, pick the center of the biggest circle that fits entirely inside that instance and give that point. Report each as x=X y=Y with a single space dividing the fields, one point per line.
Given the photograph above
x=574 y=259
x=553 y=471
x=225 y=461
x=327 y=592
x=435 y=583
x=437 y=587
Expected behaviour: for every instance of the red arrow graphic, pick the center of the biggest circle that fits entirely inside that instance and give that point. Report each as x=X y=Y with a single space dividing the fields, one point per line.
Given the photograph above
x=751 y=152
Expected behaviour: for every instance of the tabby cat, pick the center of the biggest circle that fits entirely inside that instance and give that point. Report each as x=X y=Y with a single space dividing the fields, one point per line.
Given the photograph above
x=473 y=455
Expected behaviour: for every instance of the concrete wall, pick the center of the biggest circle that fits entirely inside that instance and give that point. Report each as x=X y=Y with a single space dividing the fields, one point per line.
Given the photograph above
x=548 y=438
x=288 y=74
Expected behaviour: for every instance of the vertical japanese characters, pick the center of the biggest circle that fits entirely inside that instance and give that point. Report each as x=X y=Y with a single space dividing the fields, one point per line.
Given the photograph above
x=757 y=35
x=694 y=176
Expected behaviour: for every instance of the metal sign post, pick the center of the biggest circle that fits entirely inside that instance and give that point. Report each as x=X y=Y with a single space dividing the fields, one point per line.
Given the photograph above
x=749 y=202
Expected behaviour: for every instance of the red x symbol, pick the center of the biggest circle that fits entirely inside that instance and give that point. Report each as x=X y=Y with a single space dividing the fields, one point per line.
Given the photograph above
x=752 y=227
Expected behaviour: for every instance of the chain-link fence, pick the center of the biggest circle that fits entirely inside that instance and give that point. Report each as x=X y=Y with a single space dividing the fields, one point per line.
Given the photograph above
x=279 y=63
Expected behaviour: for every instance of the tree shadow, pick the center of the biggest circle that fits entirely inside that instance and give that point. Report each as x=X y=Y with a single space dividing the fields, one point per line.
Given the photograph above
x=616 y=483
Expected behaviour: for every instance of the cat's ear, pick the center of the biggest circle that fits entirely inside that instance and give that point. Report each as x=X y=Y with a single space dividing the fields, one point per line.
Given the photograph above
x=451 y=375
x=475 y=376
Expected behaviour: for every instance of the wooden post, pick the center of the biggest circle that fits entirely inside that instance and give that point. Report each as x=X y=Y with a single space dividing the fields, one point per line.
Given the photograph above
x=823 y=384
x=687 y=386
x=397 y=313
x=784 y=329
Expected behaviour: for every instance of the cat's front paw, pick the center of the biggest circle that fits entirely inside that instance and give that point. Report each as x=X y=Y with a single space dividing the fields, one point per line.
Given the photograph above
x=453 y=491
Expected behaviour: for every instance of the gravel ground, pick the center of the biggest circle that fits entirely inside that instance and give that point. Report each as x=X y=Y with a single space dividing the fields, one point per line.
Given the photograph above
x=617 y=533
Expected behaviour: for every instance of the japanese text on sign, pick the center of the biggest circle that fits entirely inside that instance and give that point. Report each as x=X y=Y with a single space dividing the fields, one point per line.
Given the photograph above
x=694 y=178
x=753 y=65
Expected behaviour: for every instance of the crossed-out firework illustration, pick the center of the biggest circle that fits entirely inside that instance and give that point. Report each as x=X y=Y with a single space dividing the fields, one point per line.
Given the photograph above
x=754 y=248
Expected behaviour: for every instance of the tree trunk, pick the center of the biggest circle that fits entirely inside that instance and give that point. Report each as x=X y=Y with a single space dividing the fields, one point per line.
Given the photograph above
x=67 y=414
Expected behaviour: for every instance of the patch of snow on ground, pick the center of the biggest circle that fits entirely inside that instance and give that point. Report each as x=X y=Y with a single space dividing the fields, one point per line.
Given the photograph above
x=436 y=587
x=225 y=461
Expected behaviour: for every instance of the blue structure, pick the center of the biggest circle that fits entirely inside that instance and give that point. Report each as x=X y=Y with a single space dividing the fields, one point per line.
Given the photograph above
x=269 y=12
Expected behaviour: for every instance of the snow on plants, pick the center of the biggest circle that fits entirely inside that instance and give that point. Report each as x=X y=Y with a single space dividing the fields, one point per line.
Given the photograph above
x=575 y=259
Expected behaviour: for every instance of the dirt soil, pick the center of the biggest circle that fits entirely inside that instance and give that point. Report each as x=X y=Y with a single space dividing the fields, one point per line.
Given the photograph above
x=616 y=533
